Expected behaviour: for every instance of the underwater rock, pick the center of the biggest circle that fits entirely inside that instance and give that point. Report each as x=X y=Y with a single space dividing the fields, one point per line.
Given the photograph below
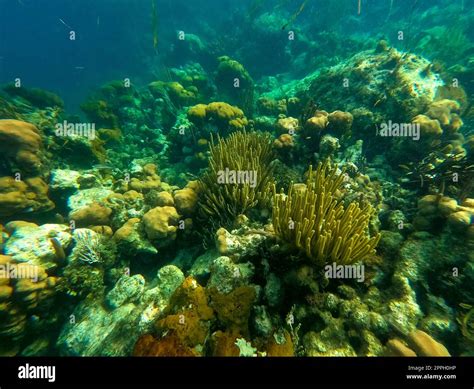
x=439 y=319
x=169 y=279
x=262 y=322
x=328 y=146
x=354 y=153
x=64 y=180
x=238 y=243
x=37 y=245
x=126 y=206
x=132 y=240
x=396 y=221
x=403 y=313
x=327 y=343
x=201 y=267
x=271 y=107
x=226 y=275
x=349 y=328
x=273 y=290
x=127 y=289
x=96 y=331
x=155 y=300
x=86 y=197
x=368 y=74
x=390 y=242
x=38 y=97
x=99 y=331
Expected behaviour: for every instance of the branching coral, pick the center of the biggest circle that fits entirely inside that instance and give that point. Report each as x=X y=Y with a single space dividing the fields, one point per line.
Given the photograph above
x=239 y=177
x=314 y=221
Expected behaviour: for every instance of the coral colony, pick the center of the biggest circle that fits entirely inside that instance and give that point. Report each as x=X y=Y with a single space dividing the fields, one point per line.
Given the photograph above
x=292 y=178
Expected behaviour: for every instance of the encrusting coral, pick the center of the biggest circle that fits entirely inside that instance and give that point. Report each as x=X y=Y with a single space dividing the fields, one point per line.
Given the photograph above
x=313 y=220
x=239 y=177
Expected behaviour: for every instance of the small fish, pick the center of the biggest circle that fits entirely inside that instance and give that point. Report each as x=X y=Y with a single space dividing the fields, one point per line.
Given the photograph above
x=102 y=166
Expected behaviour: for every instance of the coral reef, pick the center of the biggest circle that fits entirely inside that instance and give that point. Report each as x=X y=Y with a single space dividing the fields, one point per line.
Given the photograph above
x=186 y=221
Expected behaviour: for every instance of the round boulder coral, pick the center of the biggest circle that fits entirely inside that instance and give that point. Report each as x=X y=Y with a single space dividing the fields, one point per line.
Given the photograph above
x=160 y=224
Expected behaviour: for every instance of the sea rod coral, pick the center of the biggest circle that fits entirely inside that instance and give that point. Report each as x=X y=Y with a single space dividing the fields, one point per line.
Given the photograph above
x=314 y=221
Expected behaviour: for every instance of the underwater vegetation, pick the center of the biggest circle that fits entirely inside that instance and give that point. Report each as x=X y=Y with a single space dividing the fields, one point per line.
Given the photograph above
x=289 y=179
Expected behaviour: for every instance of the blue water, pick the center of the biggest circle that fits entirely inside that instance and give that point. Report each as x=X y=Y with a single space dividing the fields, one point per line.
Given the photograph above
x=113 y=38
